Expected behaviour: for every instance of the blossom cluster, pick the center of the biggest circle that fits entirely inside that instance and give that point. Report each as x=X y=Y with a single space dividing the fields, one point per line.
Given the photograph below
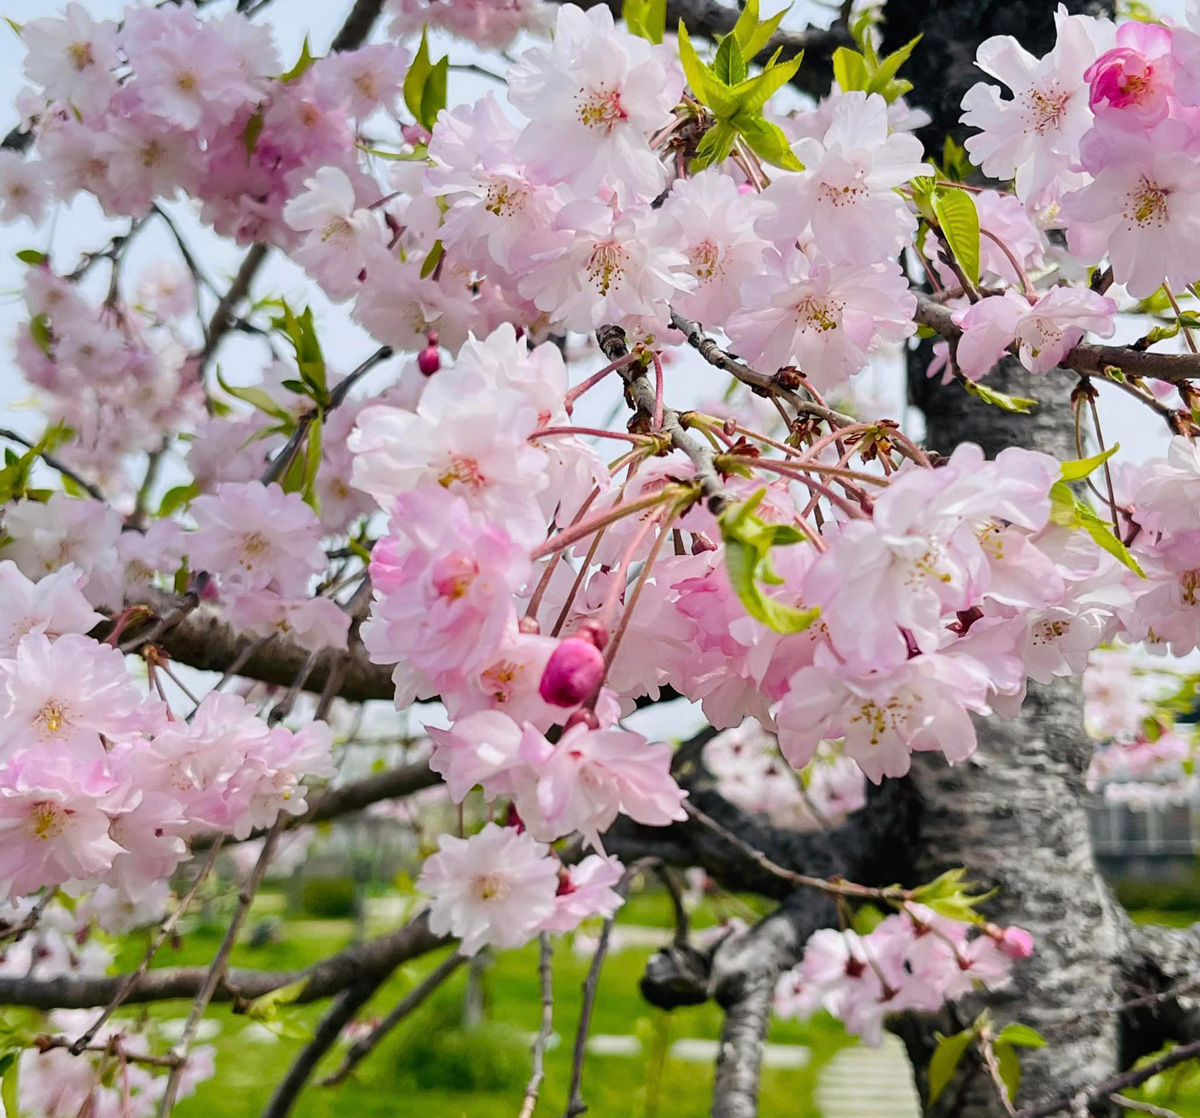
x=912 y=960
x=101 y=784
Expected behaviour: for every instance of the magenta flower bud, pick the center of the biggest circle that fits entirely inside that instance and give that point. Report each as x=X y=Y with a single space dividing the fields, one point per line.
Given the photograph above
x=429 y=360
x=1016 y=943
x=573 y=673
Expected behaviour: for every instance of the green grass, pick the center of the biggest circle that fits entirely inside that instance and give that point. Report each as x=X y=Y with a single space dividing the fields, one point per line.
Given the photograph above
x=388 y=1083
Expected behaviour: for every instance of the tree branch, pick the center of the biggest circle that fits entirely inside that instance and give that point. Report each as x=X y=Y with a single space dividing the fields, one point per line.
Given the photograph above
x=324 y=1037
x=1092 y=360
x=379 y=956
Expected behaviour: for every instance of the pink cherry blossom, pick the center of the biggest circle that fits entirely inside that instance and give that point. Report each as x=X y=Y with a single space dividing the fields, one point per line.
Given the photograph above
x=72 y=58
x=254 y=536
x=586 y=890
x=592 y=97
x=825 y=318
x=496 y=887
x=1044 y=332
x=1133 y=81
x=53 y=606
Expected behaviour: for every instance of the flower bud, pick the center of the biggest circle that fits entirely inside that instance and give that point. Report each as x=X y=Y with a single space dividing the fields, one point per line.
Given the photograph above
x=590 y=629
x=574 y=671
x=429 y=360
x=1016 y=943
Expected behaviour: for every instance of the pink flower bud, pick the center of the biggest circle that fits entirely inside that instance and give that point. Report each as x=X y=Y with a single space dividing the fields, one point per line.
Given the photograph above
x=429 y=360
x=1016 y=943
x=573 y=672
x=589 y=629
x=584 y=716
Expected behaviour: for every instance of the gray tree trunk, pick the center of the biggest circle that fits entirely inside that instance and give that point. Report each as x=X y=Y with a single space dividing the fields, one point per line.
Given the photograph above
x=1016 y=815
x=1016 y=812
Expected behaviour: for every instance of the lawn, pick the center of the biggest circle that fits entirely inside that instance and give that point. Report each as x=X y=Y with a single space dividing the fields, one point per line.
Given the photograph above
x=431 y=1068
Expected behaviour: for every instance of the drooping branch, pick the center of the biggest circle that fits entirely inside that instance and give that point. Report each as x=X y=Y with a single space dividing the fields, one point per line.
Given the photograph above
x=324 y=1037
x=745 y=971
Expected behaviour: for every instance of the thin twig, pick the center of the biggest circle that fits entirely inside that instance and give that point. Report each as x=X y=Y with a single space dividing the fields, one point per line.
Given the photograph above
x=54 y=463
x=546 y=974
x=1115 y=1083
x=1143 y=1107
x=220 y=963
x=575 y=1103
x=411 y=1001
x=164 y=933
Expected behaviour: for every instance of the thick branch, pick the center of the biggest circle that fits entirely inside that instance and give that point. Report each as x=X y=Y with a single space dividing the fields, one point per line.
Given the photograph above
x=1089 y=359
x=359 y=963
x=204 y=640
x=745 y=971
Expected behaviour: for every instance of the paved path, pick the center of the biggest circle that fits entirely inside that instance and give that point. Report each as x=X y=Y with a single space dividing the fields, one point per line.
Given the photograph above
x=868 y=1083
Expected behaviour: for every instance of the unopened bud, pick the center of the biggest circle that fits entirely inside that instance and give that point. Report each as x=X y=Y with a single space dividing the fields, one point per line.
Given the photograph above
x=584 y=716
x=429 y=360
x=1016 y=943
x=590 y=629
x=573 y=673
x=529 y=626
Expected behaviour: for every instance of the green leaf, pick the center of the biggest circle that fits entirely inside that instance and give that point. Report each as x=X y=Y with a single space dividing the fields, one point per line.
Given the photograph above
x=748 y=543
x=752 y=94
x=950 y=895
x=432 y=260
x=175 y=499
x=39 y=330
x=1010 y=1069
x=32 y=256
x=704 y=84
x=256 y=398
x=867 y=918
x=1021 y=1035
x=850 y=70
x=959 y=220
x=1022 y=405
x=752 y=34
x=881 y=79
x=302 y=333
x=425 y=85
x=1078 y=468
x=10 y=1089
x=433 y=96
x=272 y=1001
x=768 y=142
x=646 y=18
x=715 y=145
x=303 y=63
x=945 y=1060
x=729 y=65
x=254 y=127
x=1069 y=511
x=14 y=25
x=312 y=464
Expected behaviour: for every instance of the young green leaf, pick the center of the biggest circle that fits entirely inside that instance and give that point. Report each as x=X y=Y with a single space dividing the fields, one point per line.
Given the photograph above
x=752 y=34
x=1078 y=468
x=1009 y=1067
x=425 y=85
x=1021 y=1035
x=646 y=18
x=769 y=143
x=1069 y=511
x=881 y=79
x=32 y=256
x=959 y=221
x=729 y=65
x=1022 y=405
x=945 y=1060
x=850 y=70
x=429 y=266
x=303 y=63
x=39 y=331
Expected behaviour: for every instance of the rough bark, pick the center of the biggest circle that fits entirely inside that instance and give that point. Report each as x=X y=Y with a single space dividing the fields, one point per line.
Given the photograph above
x=1016 y=815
